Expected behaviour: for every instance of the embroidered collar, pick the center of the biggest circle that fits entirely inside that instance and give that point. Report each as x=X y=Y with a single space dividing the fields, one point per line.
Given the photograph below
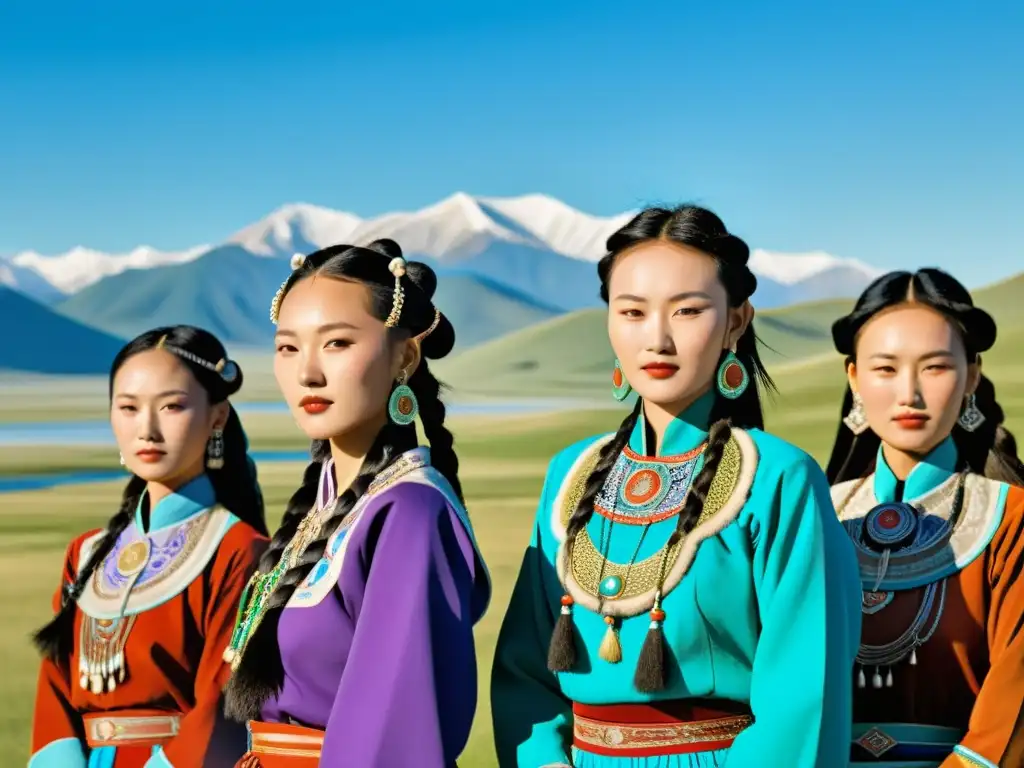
x=931 y=472
x=189 y=500
x=684 y=433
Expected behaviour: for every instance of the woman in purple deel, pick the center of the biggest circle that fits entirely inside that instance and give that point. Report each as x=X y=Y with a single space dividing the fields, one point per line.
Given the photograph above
x=354 y=642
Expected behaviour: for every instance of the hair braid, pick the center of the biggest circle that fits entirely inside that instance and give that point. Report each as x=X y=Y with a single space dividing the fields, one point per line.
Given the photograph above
x=693 y=507
x=432 y=414
x=260 y=672
x=562 y=650
x=54 y=639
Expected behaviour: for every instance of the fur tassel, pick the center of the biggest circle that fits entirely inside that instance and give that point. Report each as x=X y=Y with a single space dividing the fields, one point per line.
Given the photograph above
x=562 y=651
x=611 y=649
x=650 y=667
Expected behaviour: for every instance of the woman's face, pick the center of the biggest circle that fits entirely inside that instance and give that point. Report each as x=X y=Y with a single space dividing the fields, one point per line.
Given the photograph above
x=335 y=361
x=162 y=418
x=669 y=321
x=912 y=374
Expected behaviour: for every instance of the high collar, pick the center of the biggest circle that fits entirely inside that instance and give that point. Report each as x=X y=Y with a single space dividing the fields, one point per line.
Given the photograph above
x=190 y=499
x=684 y=433
x=327 y=490
x=929 y=473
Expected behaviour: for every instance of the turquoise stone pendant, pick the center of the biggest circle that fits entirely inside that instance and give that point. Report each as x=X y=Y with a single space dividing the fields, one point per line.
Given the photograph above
x=610 y=587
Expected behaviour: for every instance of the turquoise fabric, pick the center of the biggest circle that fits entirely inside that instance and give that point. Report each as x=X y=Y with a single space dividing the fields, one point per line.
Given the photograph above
x=933 y=470
x=62 y=753
x=768 y=615
x=194 y=497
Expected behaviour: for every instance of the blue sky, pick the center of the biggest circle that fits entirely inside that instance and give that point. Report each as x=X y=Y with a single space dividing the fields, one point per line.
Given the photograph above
x=885 y=131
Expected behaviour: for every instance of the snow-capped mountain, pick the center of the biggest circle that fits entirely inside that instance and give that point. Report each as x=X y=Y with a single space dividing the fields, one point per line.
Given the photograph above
x=535 y=244
x=80 y=267
x=793 y=268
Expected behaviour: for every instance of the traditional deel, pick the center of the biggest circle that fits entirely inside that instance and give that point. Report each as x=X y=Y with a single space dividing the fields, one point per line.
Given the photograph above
x=738 y=608
x=377 y=642
x=938 y=672
x=144 y=684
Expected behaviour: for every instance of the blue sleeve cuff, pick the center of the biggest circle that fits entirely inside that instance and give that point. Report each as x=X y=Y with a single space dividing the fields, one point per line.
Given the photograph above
x=972 y=757
x=158 y=760
x=62 y=753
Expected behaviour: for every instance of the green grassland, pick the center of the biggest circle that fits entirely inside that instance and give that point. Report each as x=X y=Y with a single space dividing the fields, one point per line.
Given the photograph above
x=502 y=458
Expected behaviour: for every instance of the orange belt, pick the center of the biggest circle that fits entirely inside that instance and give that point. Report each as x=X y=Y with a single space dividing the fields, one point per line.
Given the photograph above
x=651 y=730
x=124 y=728
x=280 y=744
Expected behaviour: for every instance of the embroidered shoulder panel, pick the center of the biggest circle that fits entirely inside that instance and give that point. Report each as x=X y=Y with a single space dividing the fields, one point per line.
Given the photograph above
x=144 y=571
x=411 y=468
x=940 y=546
x=582 y=576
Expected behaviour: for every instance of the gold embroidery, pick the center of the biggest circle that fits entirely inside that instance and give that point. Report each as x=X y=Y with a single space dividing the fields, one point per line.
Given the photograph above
x=611 y=736
x=582 y=576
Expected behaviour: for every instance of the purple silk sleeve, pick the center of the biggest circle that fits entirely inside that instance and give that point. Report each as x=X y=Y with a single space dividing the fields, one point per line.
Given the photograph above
x=408 y=692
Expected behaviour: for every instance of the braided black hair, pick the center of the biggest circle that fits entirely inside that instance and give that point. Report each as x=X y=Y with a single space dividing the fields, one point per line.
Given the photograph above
x=702 y=230
x=260 y=672
x=991 y=450
x=235 y=484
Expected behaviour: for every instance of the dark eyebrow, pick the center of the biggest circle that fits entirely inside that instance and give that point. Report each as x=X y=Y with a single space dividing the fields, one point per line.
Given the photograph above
x=339 y=326
x=677 y=297
x=927 y=356
x=168 y=393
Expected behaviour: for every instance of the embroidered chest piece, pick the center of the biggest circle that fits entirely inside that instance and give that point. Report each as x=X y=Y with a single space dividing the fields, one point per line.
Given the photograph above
x=640 y=491
x=890 y=526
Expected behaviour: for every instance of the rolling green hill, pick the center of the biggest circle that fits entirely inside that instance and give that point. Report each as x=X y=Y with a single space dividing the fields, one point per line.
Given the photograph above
x=570 y=355
x=38 y=340
x=228 y=291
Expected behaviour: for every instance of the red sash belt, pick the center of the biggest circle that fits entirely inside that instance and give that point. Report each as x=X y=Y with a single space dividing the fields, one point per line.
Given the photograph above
x=130 y=728
x=660 y=728
x=281 y=745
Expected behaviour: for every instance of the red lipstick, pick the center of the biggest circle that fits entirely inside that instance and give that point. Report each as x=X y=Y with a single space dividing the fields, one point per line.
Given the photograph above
x=912 y=421
x=660 y=370
x=150 y=455
x=314 y=405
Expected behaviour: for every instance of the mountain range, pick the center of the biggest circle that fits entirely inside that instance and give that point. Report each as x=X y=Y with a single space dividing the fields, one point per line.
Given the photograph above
x=504 y=263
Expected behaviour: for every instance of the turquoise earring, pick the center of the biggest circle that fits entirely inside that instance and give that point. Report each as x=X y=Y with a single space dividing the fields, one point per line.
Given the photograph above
x=620 y=387
x=402 y=405
x=733 y=378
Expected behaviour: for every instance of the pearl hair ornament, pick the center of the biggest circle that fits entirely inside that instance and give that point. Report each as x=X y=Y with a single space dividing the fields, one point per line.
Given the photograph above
x=226 y=369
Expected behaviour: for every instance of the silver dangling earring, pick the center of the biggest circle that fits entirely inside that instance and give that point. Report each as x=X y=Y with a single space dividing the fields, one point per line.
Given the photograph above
x=856 y=420
x=121 y=455
x=972 y=417
x=215 y=450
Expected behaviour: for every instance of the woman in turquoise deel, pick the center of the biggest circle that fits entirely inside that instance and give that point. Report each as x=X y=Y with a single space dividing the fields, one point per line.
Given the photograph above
x=689 y=597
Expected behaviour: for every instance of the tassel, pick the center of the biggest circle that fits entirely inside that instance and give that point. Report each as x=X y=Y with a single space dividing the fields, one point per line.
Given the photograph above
x=562 y=651
x=650 y=668
x=876 y=679
x=861 y=680
x=610 y=650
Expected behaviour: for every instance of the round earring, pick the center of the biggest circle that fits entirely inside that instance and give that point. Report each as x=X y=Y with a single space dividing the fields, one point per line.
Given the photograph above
x=733 y=378
x=402 y=405
x=620 y=387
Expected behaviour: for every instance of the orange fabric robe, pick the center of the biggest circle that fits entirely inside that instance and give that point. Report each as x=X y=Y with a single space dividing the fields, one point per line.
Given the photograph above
x=200 y=561
x=967 y=685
